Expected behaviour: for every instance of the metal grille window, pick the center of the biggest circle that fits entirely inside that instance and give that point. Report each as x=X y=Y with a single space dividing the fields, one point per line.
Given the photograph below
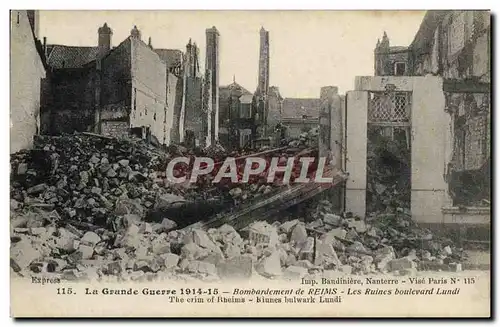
x=389 y=107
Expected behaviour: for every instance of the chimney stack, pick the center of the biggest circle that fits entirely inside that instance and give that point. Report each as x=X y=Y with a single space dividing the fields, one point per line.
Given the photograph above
x=104 y=41
x=135 y=33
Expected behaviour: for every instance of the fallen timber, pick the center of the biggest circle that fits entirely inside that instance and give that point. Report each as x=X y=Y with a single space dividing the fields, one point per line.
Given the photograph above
x=193 y=213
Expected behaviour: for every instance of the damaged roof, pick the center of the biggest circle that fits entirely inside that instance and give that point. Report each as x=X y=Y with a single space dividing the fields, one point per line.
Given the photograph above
x=65 y=56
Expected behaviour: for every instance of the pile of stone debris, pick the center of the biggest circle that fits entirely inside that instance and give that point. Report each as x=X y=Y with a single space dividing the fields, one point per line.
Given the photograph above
x=388 y=174
x=92 y=179
x=330 y=244
x=87 y=180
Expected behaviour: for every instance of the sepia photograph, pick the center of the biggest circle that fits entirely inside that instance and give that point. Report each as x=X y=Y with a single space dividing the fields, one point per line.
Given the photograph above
x=273 y=163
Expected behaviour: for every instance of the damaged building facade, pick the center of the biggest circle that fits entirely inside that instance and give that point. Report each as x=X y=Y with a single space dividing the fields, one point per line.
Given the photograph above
x=430 y=103
x=131 y=88
x=112 y=90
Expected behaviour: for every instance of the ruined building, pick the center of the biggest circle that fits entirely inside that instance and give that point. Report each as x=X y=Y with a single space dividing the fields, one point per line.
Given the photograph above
x=300 y=114
x=27 y=69
x=111 y=90
x=192 y=97
x=434 y=119
x=275 y=105
x=455 y=46
x=243 y=116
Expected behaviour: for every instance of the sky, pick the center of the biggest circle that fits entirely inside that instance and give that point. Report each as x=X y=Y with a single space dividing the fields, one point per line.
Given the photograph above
x=308 y=49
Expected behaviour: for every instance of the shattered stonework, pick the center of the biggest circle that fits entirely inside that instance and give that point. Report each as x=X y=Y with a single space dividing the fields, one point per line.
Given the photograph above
x=90 y=207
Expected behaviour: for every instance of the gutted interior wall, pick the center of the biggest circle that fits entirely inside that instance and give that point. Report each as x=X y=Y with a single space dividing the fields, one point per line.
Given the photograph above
x=459 y=50
x=115 y=91
x=70 y=100
x=149 y=92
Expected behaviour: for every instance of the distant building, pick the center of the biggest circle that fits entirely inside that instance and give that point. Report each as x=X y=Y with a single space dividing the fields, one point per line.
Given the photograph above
x=26 y=73
x=236 y=116
x=390 y=60
x=300 y=115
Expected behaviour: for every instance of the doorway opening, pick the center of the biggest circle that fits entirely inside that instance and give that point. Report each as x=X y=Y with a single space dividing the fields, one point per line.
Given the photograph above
x=388 y=153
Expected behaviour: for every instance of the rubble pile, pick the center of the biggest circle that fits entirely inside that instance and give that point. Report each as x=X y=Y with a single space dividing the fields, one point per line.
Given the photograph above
x=396 y=230
x=93 y=181
x=330 y=244
x=81 y=207
x=87 y=178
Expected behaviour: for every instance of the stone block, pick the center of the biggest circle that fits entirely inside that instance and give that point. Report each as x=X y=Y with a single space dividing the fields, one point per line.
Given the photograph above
x=400 y=264
x=299 y=234
x=295 y=272
x=240 y=267
x=269 y=266
x=23 y=253
x=170 y=260
x=288 y=226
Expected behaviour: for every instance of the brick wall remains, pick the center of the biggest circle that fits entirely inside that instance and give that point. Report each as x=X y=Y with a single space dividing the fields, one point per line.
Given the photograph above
x=460 y=47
